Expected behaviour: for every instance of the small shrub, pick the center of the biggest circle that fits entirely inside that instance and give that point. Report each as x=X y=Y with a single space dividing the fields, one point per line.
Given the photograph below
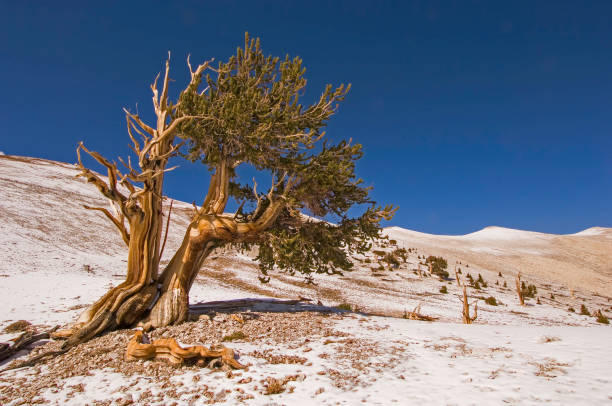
x=443 y=289
x=552 y=296
x=393 y=242
x=391 y=260
x=499 y=274
x=477 y=285
x=401 y=253
x=528 y=290
x=491 y=301
x=438 y=266
x=379 y=253
x=584 y=311
x=480 y=279
x=459 y=271
x=505 y=284
x=538 y=301
x=571 y=310
x=236 y=335
x=601 y=318
x=367 y=260
x=345 y=306
x=274 y=386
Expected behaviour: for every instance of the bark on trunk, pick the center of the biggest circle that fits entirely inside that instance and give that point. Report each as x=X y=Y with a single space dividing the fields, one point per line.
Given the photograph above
x=124 y=305
x=180 y=273
x=128 y=302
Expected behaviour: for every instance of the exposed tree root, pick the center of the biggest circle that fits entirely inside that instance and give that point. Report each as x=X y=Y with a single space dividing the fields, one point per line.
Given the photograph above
x=122 y=306
x=27 y=338
x=169 y=350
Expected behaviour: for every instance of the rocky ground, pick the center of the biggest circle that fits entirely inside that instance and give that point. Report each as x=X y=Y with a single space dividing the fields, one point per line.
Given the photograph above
x=59 y=258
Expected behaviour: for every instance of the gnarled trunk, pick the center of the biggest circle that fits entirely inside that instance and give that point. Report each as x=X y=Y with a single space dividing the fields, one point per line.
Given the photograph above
x=176 y=281
x=128 y=302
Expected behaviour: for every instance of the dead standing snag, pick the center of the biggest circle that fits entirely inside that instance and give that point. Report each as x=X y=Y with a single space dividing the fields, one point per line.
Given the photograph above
x=519 y=290
x=465 y=313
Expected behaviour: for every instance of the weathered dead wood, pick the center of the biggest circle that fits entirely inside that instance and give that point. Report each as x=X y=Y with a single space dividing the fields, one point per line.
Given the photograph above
x=126 y=303
x=22 y=342
x=519 y=291
x=467 y=319
x=416 y=314
x=457 y=276
x=169 y=350
x=161 y=251
x=7 y=350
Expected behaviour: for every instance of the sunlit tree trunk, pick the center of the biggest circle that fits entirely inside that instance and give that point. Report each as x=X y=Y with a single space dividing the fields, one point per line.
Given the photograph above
x=141 y=208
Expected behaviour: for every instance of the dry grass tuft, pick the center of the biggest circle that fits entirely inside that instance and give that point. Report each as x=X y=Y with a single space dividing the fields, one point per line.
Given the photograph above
x=345 y=306
x=273 y=386
x=21 y=325
x=550 y=368
x=236 y=335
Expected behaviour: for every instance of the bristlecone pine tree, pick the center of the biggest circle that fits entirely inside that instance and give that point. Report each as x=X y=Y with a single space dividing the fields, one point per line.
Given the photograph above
x=243 y=112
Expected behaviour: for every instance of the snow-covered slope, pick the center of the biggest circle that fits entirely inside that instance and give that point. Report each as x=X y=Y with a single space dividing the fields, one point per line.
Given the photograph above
x=58 y=257
x=578 y=261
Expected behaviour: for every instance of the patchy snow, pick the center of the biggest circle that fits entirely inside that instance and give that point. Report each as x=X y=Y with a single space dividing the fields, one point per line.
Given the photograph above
x=539 y=353
x=403 y=362
x=505 y=234
x=593 y=231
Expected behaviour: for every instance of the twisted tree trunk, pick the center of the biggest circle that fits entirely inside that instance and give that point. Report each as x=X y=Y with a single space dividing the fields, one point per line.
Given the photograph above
x=146 y=297
x=126 y=303
x=130 y=301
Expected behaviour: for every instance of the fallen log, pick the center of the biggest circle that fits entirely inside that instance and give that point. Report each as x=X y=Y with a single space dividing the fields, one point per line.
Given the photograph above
x=167 y=349
x=417 y=315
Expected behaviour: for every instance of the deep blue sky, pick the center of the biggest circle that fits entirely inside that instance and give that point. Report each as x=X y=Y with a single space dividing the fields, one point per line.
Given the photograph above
x=470 y=113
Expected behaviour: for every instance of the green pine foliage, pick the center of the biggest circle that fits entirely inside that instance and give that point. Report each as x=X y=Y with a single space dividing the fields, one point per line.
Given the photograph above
x=584 y=311
x=491 y=301
x=401 y=253
x=249 y=114
x=391 y=260
x=438 y=266
x=601 y=318
x=481 y=281
x=528 y=290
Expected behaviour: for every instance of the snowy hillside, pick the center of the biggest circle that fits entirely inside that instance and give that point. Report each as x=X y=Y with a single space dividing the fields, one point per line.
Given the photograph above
x=58 y=257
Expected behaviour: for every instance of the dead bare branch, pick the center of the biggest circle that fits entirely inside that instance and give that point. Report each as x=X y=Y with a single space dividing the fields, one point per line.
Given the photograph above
x=161 y=252
x=119 y=223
